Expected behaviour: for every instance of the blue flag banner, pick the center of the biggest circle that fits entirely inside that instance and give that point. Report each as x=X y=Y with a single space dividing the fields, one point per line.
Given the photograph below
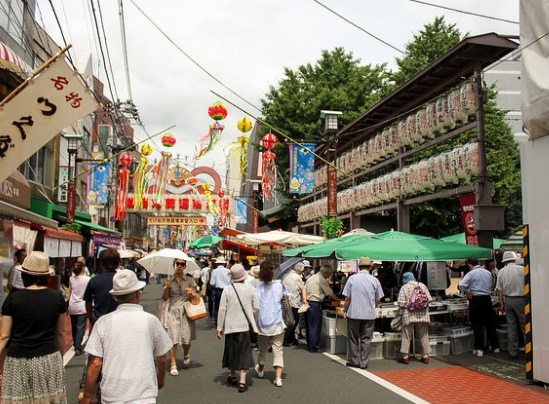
x=302 y=168
x=98 y=190
x=241 y=210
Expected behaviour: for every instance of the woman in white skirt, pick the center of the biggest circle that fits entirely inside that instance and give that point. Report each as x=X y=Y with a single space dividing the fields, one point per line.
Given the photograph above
x=181 y=331
x=33 y=330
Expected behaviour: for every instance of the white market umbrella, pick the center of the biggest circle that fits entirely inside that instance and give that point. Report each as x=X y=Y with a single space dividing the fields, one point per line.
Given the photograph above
x=280 y=237
x=161 y=261
x=128 y=253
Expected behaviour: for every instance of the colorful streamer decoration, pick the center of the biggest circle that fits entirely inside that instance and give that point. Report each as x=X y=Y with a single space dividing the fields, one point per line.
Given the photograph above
x=210 y=203
x=223 y=208
x=243 y=143
x=140 y=174
x=160 y=175
x=168 y=140
x=122 y=186
x=268 y=177
x=206 y=144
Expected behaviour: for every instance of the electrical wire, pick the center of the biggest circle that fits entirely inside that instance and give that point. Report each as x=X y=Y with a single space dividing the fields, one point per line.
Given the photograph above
x=465 y=12
x=61 y=31
x=360 y=28
x=124 y=47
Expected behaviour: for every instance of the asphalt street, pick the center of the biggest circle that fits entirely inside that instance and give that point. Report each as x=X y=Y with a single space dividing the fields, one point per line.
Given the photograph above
x=307 y=378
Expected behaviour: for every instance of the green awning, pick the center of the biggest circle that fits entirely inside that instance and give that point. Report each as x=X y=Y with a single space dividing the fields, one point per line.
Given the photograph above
x=56 y=212
x=93 y=226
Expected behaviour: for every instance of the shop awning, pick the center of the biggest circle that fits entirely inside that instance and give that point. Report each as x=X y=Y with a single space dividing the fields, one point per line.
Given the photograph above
x=63 y=234
x=18 y=213
x=231 y=245
x=96 y=227
x=11 y=61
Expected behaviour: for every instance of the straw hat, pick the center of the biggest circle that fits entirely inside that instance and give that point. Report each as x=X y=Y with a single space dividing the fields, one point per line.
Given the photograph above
x=125 y=282
x=254 y=271
x=365 y=262
x=37 y=263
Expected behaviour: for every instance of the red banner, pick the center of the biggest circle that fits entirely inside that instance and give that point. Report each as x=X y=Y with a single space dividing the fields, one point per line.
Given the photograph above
x=467 y=203
x=70 y=201
x=332 y=191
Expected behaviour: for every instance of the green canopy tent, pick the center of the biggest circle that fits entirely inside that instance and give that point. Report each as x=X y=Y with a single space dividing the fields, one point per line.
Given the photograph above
x=460 y=239
x=205 y=241
x=391 y=246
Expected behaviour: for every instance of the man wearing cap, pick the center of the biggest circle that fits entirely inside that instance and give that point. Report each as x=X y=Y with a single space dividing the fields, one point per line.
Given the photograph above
x=124 y=345
x=477 y=285
x=363 y=294
x=510 y=287
x=315 y=290
x=294 y=282
x=219 y=279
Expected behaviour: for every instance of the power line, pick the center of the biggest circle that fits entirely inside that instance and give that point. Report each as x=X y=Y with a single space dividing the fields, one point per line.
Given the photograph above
x=465 y=12
x=359 y=27
x=124 y=47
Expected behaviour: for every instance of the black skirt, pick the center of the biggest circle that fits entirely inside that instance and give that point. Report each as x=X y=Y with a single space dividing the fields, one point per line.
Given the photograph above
x=238 y=351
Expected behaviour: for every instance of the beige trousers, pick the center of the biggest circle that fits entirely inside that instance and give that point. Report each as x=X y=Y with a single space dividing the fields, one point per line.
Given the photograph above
x=274 y=341
x=422 y=334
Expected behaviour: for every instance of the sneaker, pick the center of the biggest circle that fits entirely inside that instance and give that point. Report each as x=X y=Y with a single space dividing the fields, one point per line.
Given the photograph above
x=259 y=374
x=497 y=350
x=480 y=353
x=277 y=382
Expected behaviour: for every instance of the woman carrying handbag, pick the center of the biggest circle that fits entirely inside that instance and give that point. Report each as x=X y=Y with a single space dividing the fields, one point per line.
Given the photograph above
x=236 y=318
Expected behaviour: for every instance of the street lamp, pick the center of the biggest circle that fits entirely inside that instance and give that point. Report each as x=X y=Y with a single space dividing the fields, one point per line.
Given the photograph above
x=330 y=128
x=73 y=142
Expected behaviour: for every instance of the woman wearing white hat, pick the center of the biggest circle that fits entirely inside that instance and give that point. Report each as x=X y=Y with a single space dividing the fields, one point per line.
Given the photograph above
x=33 y=331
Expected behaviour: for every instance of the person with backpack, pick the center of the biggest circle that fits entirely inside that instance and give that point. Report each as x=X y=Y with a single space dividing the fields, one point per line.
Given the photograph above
x=413 y=300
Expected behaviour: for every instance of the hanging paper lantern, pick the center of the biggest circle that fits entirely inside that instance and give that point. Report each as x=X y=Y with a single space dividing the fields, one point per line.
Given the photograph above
x=244 y=125
x=168 y=140
x=217 y=111
x=269 y=141
x=125 y=160
x=146 y=149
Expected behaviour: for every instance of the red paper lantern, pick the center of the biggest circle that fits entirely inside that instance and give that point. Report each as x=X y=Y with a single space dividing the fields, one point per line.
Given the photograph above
x=168 y=140
x=269 y=141
x=217 y=111
x=221 y=193
x=125 y=160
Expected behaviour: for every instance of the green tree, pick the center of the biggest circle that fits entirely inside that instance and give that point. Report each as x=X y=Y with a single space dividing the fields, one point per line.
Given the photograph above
x=337 y=82
x=432 y=41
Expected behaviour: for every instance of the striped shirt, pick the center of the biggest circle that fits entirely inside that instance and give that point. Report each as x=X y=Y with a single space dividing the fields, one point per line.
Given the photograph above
x=362 y=290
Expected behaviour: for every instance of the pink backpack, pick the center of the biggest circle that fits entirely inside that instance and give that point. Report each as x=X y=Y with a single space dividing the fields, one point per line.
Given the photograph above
x=418 y=299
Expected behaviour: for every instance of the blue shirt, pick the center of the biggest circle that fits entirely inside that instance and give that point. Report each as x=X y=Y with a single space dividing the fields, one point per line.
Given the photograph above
x=363 y=290
x=478 y=281
x=220 y=277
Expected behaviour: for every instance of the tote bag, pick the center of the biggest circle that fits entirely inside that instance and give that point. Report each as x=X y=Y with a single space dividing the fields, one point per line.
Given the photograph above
x=195 y=309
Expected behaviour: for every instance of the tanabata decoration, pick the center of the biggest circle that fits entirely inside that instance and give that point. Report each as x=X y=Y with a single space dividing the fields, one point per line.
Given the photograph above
x=122 y=187
x=207 y=188
x=223 y=208
x=168 y=140
x=206 y=144
x=268 y=177
x=160 y=171
x=244 y=125
x=141 y=176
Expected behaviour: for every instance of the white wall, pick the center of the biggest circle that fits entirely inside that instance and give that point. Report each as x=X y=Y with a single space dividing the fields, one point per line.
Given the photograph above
x=535 y=166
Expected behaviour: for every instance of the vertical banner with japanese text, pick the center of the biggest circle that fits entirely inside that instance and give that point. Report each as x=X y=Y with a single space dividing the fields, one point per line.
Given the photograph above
x=467 y=204
x=64 y=181
x=98 y=189
x=51 y=102
x=302 y=168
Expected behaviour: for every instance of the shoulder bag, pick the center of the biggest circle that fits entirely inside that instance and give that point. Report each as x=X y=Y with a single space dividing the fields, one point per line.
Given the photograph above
x=287 y=313
x=244 y=311
x=195 y=308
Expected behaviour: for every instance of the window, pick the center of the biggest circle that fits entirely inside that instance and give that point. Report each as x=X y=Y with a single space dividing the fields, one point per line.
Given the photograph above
x=11 y=18
x=39 y=167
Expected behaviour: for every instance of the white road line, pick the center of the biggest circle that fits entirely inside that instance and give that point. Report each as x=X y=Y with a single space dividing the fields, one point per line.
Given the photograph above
x=382 y=382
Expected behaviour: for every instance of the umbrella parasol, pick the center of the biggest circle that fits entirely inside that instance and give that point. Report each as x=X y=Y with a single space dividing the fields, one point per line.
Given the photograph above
x=460 y=239
x=205 y=241
x=127 y=253
x=280 y=237
x=325 y=249
x=161 y=261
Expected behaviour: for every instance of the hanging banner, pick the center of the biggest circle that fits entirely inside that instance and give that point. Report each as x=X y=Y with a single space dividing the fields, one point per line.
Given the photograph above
x=467 y=203
x=98 y=190
x=302 y=168
x=64 y=181
x=241 y=210
x=55 y=98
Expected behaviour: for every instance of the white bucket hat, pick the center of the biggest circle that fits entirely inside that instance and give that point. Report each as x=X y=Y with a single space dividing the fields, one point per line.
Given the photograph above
x=125 y=282
x=37 y=263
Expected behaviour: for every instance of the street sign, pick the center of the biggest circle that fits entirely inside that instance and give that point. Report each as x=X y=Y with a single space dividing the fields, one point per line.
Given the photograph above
x=176 y=221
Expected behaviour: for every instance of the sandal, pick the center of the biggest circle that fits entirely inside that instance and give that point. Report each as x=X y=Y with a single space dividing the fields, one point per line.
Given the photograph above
x=232 y=380
x=186 y=361
x=242 y=387
x=173 y=371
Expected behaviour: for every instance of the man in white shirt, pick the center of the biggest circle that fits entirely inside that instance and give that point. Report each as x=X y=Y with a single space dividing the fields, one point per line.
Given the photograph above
x=124 y=345
x=220 y=278
x=510 y=287
x=15 y=281
x=294 y=282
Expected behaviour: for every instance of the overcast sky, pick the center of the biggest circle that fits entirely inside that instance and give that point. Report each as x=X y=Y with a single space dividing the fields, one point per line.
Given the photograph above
x=245 y=44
